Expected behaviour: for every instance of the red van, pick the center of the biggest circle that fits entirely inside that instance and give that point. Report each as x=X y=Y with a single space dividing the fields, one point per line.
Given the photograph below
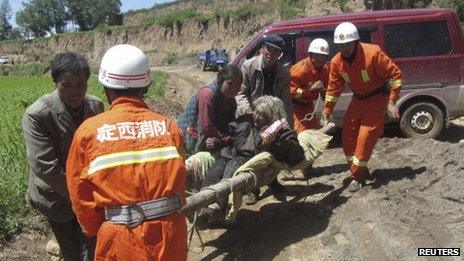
x=427 y=45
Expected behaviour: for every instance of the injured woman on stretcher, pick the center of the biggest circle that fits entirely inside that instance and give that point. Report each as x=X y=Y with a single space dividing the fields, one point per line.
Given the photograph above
x=264 y=144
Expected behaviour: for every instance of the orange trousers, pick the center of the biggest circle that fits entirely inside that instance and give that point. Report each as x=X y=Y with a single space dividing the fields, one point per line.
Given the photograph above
x=299 y=113
x=159 y=239
x=362 y=127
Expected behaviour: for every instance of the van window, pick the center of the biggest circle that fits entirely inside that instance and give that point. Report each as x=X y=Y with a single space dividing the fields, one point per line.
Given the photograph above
x=289 y=51
x=417 y=39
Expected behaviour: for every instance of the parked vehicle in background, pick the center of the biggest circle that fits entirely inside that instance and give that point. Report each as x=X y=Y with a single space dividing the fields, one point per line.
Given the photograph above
x=427 y=45
x=213 y=59
x=4 y=59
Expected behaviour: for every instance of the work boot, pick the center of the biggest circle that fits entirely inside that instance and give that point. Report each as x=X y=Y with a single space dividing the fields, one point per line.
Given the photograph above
x=346 y=177
x=252 y=197
x=355 y=185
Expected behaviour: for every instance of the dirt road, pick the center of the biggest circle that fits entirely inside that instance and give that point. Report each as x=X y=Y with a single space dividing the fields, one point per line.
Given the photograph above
x=416 y=201
x=182 y=83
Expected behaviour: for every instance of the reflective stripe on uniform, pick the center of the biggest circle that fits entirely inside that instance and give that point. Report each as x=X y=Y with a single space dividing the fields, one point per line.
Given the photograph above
x=349 y=159
x=131 y=157
x=358 y=162
x=365 y=75
x=345 y=77
x=298 y=93
x=330 y=98
x=395 y=83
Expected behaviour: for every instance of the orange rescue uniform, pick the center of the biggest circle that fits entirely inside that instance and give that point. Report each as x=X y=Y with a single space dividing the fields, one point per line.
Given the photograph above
x=302 y=76
x=125 y=156
x=364 y=119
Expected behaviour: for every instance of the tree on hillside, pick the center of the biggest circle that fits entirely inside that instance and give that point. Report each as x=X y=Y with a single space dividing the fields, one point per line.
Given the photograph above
x=89 y=14
x=80 y=13
x=107 y=12
x=40 y=17
x=58 y=16
x=5 y=15
x=31 y=22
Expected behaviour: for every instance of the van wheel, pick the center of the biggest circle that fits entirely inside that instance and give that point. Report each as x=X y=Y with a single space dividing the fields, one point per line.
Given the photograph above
x=203 y=68
x=422 y=120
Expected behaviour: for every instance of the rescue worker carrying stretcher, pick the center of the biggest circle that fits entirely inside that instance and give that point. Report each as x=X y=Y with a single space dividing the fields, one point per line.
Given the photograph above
x=308 y=79
x=375 y=81
x=125 y=170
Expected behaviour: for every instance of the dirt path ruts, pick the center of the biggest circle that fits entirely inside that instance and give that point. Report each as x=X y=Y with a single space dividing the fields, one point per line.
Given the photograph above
x=182 y=83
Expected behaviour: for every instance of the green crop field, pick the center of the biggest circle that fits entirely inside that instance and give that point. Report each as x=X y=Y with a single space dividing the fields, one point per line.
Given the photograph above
x=16 y=94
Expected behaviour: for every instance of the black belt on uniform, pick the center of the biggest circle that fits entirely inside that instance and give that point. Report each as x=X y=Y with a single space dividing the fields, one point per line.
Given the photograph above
x=384 y=90
x=133 y=215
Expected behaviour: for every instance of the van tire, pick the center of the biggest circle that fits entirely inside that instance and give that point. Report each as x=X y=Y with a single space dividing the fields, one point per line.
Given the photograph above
x=423 y=120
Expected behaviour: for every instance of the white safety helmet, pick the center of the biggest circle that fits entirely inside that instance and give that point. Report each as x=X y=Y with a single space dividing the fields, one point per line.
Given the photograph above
x=124 y=66
x=319 y=46
x=345 y=32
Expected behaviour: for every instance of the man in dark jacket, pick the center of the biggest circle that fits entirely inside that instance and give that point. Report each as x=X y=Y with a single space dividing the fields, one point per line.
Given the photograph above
x=48 y=128
x=265 y=74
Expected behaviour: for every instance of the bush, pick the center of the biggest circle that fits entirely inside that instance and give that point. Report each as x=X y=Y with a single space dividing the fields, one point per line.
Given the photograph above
x=290 y=8
x=159 y=81
x=175 y=17
x=171 y=58
x=28 y=69
x=248 y=10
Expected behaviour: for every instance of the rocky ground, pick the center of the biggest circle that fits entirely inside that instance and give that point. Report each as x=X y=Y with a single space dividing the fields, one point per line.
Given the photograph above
x=416 y=201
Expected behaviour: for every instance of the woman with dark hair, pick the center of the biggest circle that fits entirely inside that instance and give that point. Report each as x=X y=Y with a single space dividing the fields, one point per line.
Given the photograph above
x=204 y=121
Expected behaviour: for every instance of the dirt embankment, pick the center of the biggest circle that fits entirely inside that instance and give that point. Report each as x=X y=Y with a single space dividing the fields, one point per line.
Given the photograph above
x=167 y=44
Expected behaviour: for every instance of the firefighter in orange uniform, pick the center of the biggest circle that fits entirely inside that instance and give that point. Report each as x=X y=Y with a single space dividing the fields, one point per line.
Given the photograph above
x=125 y=169
x=308 y=79
x=375 y=81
